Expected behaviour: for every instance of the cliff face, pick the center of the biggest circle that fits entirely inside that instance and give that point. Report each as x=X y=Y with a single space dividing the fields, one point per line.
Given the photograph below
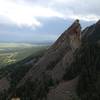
x=68 y=70
x=59 y=54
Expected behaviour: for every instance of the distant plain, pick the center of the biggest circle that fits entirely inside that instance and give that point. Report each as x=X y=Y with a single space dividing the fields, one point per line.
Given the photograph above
x=13 y=52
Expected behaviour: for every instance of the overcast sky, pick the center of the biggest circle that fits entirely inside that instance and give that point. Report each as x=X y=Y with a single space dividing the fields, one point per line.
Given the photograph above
x=43 y=20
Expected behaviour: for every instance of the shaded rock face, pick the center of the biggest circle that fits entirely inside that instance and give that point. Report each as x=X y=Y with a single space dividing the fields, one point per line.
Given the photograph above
x=89 y=86
x=92 y=33
x=86 y=65
x=68 y=70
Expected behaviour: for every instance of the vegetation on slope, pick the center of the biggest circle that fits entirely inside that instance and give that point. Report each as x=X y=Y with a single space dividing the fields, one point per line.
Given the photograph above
x=15 y=72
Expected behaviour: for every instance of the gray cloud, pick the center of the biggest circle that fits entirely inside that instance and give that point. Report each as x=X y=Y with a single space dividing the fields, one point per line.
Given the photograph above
x=49 y=17
x=85 y=9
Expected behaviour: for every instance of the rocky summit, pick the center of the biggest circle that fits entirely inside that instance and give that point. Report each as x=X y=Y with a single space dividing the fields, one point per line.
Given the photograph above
x=68 y=70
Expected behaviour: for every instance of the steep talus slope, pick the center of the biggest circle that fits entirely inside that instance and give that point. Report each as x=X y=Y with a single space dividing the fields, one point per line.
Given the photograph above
x=68 y=70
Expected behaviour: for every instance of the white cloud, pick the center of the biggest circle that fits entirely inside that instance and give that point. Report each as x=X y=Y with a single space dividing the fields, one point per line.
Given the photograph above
x=88 y=17
x=21 y=13
x=86 y=10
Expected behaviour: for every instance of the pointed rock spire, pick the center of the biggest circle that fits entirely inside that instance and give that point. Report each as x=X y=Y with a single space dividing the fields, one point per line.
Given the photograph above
x=75 y=28
x=74 y=33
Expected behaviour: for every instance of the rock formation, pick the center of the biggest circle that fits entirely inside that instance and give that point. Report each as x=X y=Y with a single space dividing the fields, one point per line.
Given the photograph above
x=55 y=61
x=69 y=70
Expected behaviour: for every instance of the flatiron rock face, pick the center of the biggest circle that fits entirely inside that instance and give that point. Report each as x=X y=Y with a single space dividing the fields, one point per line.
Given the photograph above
x=53 y=64
x=56 y=54
x=67 y=70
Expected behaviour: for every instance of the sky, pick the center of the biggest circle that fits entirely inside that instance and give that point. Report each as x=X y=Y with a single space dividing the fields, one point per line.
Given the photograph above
x=43 y=20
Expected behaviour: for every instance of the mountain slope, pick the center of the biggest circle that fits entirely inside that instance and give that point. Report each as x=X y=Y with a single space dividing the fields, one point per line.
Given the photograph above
x=49 y=70
x=68 y=70
x=56 y=54
x=12 y=74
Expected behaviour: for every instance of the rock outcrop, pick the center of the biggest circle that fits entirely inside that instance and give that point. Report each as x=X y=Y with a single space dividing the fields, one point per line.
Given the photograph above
x=59 y=54
x=53 y=64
